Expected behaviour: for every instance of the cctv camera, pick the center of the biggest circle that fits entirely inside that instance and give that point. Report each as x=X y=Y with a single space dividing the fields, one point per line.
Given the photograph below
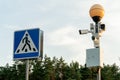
x=93 y=38
x=102 y=26
x=83 y=31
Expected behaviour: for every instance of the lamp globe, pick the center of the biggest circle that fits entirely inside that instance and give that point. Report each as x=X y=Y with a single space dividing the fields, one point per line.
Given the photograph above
x=96 y=12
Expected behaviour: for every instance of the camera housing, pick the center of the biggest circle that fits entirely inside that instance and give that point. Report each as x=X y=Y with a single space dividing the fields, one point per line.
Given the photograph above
x=102 y=26
x=85 y=31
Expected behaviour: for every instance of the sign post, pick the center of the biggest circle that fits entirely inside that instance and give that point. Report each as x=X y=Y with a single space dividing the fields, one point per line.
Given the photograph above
x=27 y=69
x=28 y=44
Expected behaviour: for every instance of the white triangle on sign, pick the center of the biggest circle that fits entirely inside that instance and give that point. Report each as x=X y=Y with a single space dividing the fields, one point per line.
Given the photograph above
x=26 y=45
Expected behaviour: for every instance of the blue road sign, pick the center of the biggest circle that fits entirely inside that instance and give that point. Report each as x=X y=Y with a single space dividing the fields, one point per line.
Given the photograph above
x=28 y=44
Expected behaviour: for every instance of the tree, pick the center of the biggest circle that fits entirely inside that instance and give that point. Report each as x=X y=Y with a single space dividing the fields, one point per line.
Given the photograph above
x=56 y=69
x=74 y=70
x=110 y=72
x=86 y=73
x=8 y=73
x=37 y=71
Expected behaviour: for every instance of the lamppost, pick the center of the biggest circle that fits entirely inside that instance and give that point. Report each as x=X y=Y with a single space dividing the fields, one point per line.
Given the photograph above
x=94 y=55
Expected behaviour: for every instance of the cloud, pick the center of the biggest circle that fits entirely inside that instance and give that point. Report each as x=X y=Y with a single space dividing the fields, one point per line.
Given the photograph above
x=63 y=36
x=67 y=42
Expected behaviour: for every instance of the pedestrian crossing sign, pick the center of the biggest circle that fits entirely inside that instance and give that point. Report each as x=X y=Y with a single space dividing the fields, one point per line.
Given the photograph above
x=28 y=44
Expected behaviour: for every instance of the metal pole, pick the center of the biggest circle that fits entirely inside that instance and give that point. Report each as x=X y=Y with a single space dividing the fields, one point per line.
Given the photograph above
x=99 y=74
x=27 y=69
x=96 y=28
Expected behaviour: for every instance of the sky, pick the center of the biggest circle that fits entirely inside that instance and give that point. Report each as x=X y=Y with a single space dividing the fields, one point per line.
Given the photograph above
x=60 y=20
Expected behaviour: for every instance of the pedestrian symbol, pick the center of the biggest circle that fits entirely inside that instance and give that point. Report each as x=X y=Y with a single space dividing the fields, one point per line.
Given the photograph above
x=26 y=45
x=26 y=42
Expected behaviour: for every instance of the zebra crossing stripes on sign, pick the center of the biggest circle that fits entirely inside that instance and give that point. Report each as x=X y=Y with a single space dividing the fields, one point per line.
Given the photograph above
x=27 y=44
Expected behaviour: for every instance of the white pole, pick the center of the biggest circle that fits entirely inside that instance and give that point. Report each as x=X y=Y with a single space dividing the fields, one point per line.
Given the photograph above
x=99 y=74
x=27 y=69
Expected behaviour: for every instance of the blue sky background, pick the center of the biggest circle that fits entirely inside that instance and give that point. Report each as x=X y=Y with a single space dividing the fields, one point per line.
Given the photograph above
x=60 y=20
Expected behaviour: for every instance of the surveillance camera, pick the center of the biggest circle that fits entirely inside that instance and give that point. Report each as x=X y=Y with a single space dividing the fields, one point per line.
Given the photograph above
x=96 y=41
x=93 y=38
x=92 y=28
x=83 y=31
x=102 y=26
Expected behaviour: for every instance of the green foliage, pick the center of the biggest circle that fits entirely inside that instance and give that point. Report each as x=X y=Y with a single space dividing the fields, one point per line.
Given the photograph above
x=110 y=72
x=11 y=73
x=75 y=72
x=56 y=69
